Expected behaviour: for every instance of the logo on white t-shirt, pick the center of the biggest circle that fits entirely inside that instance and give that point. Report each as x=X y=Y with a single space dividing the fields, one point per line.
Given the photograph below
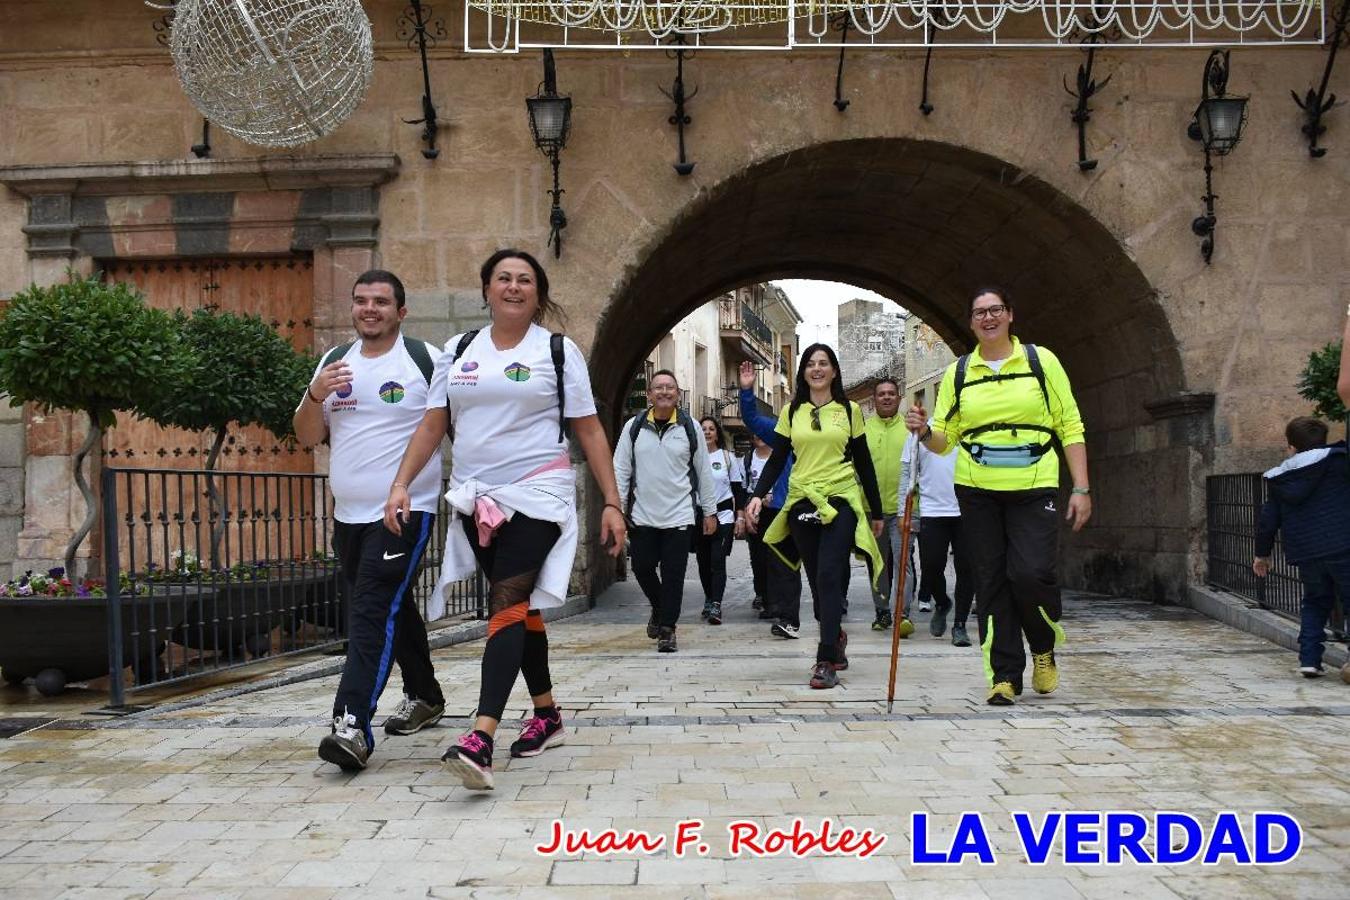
x=518 y=372
x=391 y=392
x=468 y=366
x=345 y=391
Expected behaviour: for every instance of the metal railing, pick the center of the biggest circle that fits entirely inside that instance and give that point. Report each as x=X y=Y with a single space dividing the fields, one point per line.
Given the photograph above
x=1233 y=505
x=209 y=571
x=736 y=315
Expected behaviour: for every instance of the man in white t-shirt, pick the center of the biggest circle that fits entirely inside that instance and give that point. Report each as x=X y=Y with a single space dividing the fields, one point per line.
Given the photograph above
x=367 y=398
x=940 y=531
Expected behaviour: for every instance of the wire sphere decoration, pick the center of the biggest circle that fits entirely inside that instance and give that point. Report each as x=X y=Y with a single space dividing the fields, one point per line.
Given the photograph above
x=274 y=73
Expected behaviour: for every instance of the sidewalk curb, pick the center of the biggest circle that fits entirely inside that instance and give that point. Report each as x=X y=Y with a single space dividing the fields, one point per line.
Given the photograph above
x=1246 y=615
x=459 y=633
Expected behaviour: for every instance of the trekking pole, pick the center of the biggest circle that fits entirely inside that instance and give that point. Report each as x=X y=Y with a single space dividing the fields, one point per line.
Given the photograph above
x=906 y=523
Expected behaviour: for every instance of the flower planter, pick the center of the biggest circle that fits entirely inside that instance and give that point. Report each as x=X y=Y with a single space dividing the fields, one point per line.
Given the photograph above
x=240 y=616
x=65 y=639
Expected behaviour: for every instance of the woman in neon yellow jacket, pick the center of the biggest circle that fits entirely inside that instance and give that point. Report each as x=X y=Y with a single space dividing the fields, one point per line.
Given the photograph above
x=823 y=512
x=1005 y=408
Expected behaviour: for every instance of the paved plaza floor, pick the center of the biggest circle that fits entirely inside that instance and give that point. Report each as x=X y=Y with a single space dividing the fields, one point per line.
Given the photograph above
x=1159 y=709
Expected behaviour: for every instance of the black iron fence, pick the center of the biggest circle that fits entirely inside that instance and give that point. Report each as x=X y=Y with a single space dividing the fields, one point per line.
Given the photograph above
x=1233 y=504
x=209 y=571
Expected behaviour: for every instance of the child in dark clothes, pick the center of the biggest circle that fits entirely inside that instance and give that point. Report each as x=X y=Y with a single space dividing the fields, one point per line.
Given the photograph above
x=1310 y=504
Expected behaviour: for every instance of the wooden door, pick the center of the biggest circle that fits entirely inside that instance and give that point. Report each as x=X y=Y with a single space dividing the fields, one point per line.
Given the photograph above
x=271 y=517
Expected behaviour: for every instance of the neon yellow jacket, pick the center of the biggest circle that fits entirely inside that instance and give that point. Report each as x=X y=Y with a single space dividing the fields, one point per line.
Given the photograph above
x=1015 y=401
x=886 y=442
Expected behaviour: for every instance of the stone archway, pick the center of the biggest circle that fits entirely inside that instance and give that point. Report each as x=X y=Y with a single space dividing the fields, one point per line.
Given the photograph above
x=924 y=223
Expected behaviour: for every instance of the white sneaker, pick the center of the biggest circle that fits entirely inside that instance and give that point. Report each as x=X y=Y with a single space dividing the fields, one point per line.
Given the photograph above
x=925 y=606
x=1311 y=671
x=784 y=630
x=346 y=746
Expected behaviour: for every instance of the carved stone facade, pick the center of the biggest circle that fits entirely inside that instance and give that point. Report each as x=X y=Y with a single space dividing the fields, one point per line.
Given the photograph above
x=917 y=208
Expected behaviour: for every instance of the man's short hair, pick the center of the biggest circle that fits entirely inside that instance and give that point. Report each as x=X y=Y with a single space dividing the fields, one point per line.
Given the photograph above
x=886 y=380
x=1306 y=433
x=659 y=372
x=380 y=276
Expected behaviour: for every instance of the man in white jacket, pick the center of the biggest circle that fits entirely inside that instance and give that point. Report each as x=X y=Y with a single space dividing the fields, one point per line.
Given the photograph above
x=663 y=472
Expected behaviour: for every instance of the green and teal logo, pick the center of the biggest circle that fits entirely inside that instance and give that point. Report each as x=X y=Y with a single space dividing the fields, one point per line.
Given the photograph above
x=391 y=392
x=518 y=372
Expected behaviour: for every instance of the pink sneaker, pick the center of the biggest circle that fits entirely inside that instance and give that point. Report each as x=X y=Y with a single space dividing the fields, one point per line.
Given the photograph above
x=470 y=758
x=539 y=733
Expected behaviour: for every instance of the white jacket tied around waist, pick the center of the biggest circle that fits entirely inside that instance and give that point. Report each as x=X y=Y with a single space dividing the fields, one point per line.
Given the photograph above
x=549 y=496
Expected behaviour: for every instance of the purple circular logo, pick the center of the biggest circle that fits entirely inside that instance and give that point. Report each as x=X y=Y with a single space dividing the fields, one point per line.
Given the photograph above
x=468 y=367
x=345 y=391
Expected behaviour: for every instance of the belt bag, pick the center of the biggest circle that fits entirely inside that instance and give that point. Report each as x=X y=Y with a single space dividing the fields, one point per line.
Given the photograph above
x=1019 y=456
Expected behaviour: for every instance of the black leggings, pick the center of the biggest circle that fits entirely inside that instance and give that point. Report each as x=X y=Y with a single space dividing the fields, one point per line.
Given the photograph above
x=711 y=552
x=825 y=550
x=516 y=639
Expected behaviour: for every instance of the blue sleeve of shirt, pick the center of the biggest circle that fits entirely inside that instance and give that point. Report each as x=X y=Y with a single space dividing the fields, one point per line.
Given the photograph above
x=765 y=428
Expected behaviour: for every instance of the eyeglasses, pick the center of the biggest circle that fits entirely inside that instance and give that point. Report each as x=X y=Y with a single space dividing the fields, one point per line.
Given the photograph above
x=989 y=312
x=815 y=418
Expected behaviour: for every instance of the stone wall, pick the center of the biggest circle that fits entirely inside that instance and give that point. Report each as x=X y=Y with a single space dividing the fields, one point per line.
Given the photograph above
x=1103 y=264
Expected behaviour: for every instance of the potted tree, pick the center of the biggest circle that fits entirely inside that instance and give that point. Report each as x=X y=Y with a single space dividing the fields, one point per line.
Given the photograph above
x=1317 y=383
x=92 y=348
x=243 y=373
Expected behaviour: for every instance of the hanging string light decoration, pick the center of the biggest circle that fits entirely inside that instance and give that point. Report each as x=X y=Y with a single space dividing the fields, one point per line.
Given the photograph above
x=276 y=73
x=658 y=18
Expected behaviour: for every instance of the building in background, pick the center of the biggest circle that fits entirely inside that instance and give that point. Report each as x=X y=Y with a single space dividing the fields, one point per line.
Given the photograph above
x=926 y=357
x=706 y=348
x=871 y=341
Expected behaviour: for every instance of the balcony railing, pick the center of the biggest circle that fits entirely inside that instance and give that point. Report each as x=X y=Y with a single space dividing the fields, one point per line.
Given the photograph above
x=737 y=316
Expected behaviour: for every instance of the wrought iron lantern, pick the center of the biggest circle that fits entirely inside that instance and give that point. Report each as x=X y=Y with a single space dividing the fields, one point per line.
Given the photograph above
x=1217 y=125
x=550 y=123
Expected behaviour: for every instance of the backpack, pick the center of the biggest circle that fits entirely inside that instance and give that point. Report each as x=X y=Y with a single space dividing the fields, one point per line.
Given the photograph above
x=1037 y=372
x=416 y=349
x=555 y=346
x=695 y=445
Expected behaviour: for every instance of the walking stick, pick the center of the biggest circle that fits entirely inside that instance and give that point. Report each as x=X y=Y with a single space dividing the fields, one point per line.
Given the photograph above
x=906 y=522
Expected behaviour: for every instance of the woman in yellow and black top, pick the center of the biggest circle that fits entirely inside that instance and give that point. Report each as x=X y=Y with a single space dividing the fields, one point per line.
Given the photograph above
x=1012 y=407
x=823 y=513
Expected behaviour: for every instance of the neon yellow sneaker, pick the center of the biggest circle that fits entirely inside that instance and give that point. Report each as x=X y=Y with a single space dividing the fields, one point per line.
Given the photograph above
x=1001 y=694
x=906 y=628
x=1044 y=673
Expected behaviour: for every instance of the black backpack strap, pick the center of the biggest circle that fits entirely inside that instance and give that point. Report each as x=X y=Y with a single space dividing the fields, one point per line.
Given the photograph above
x=962 y=362
x=1034 y=360
x=336 y=353
x=465 y=340
x=421 y=356
x=555 y=346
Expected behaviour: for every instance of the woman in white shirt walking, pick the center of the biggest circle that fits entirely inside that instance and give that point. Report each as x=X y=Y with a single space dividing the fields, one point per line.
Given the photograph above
x=729 y=492
x=513 y=491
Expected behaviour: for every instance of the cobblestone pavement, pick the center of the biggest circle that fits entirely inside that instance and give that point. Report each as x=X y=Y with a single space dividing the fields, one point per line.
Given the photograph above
x=1159 y=709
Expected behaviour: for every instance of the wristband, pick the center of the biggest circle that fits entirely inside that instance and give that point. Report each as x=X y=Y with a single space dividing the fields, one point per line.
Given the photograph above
x=401 y=484
x=614 y=506
x=309 y=392
x=1082 y=492
x=923 y=439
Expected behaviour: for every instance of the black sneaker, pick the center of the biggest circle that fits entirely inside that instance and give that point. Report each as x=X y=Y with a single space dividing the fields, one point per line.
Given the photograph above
x=823 y=676
x=883 y=620
x=540 y=733
x=653 y=625
x=665 y=643
x=704 y=614
x=715 y=614
x=959 y=636
x=841 y=646
x=757 y=603
x=785 y=630
x=470 y=758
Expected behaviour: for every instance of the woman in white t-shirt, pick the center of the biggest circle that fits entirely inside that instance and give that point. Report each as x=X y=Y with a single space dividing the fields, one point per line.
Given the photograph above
x=512 y=490
x=729 y=491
